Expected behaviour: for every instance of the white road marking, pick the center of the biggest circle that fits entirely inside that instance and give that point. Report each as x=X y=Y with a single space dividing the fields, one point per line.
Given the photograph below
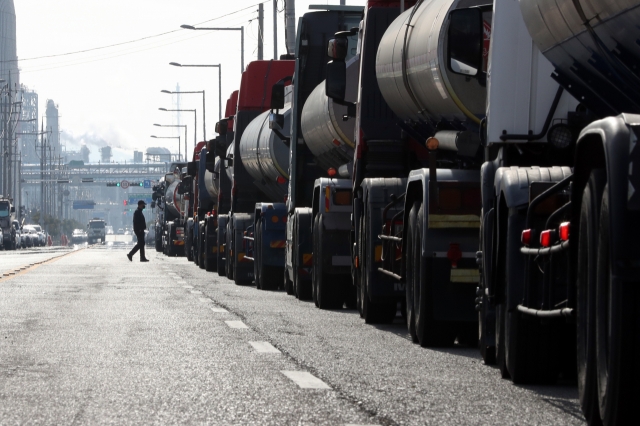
x=236 y=324
x=187 y=286
x=306 y=380
x=204 y=299
x=196 y=292
x=264 y=347
x=218 y=310
x=182 y=282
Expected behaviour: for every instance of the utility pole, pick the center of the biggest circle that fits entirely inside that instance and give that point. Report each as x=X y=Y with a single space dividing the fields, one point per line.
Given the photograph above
x=275 y=30
x=260 y=30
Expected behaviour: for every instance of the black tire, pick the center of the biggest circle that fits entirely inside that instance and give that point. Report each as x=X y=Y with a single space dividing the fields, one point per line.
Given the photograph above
x=617 y=334
x=373 y=312
x=585 y=291
x=230 y=254
x=222 y=263
x=328 y=288
x=410 y=271
x=210 y=262
x=316 y=268
x=288 y=283
x=529 y=344
x=302 y=288
x=429 y=331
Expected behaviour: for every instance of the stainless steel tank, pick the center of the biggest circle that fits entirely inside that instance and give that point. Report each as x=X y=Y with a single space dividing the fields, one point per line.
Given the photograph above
x=173 y=200
x=592 y=43
x=227 y=167
x=329 y=138
x=212 y=180
x=427 y=89
x=264 y=155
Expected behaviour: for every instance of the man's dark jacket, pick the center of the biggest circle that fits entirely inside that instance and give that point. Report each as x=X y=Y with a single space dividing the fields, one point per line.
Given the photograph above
x=139 y=223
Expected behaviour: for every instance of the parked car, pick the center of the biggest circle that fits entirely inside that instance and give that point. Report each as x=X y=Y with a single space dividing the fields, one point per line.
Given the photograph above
x=79 y=236
x=18 y=234
x=42 y=236
x=30 y=236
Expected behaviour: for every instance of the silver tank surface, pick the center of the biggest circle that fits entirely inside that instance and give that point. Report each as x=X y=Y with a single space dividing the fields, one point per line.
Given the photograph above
x=228 y=169
x=431 y=91
x=265 y=155
x=557 y=27
x=212 y=181
x=329 y=138
x=173 y=200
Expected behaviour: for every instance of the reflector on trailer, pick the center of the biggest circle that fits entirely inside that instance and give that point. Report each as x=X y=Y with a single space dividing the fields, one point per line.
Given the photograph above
x=545 y=238
x=526 y=237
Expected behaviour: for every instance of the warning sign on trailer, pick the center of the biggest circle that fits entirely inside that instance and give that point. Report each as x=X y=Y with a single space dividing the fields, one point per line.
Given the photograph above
x=124 y=184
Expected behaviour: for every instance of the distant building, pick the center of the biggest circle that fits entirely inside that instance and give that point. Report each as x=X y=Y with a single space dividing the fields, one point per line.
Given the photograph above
x=137 y=156
x=105 y=154
x=29 y=127
x=53 y=127
x=8 y=49
x=85 y=153
x=158 y=155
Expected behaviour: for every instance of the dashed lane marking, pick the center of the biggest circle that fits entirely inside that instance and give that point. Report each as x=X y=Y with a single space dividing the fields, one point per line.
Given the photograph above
x=236 y=324
x=218 y=310
x=204 y=299
x=196 y=292
x=305 y=380
x=187 y=286
x=264 y=347
x=182 y=282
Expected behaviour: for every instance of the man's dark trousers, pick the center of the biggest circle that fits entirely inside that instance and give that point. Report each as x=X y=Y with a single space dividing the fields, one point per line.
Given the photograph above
x=139 y=246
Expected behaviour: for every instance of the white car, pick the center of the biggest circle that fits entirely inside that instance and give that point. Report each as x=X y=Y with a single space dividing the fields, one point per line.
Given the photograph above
x=42 y=238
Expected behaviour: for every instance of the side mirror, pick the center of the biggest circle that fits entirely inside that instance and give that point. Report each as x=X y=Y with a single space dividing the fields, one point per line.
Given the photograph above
x=221 y=126
x=465 y=41
x=13 y=209
x=230 y=161
x=276 y=121
x=338 y=47
x=277 y=95
x=336 y=82
x=153 y=204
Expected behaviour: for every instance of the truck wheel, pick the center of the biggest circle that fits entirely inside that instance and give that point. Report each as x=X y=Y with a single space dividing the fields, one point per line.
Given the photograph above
x=327 y=292
x=302 y=288
x=429 y=331
x=529 y=344
x=315 y=269
x=373 y=312
x=617 y=333
x=410 y=275
x=257 y=255
x=288 y=284
x=585 y=292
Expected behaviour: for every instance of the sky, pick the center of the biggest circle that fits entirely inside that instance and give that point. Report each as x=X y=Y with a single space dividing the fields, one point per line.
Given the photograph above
x=112 y=95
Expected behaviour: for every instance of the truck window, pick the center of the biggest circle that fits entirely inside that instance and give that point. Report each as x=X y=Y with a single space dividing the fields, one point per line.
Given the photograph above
x=4 y=209
x=96 y=225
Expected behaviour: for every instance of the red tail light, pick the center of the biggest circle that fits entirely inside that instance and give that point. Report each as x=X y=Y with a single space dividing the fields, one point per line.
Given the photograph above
x=564 y=231
x=546 y=238
x=281 y=180
x=526 y=237
x=331 y=172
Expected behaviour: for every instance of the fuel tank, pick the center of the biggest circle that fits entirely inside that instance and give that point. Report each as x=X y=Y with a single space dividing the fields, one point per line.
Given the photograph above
x=172 y=199
x=330 y=138
x=426 y=89
x=593 y=45
x=212 y=180
x=265 y=156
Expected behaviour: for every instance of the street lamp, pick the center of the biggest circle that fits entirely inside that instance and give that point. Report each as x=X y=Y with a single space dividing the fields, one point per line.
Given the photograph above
x=195 y=122
x=219 y=66
x=170 y=137
x=241 y=29
x=204 y=110
x=185 y=135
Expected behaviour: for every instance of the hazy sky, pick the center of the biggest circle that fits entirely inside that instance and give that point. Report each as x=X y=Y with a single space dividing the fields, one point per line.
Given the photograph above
x=112 y=95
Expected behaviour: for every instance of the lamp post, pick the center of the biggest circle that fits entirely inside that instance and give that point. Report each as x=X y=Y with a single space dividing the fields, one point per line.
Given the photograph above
x=185 y=135
x=204 y=110
x=219 y=66
x=170 y=137
x=241 y=29
x=195 y=122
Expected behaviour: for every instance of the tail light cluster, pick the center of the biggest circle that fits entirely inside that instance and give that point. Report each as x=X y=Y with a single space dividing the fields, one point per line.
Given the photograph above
x=548 y=237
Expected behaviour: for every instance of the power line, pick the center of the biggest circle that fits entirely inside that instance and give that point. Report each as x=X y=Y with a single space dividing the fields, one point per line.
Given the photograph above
x=130 y=41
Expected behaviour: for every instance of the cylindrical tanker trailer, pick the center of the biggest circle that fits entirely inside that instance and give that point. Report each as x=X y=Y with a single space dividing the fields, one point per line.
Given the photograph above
x=329 y=137
x=265 y=156
x=212 y=180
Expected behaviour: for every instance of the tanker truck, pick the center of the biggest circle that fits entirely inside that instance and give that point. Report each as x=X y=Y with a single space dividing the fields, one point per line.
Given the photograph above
x=265 y=156
x=559 y=199
x=306 y=166
x=171 y=225
x=191 y=194
x=253 y=100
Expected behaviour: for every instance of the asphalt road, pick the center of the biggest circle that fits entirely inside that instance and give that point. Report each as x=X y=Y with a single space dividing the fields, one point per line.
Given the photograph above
x=91 y=338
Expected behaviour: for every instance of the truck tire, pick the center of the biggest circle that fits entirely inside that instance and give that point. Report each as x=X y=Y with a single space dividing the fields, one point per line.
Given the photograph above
x=486 y=313
x=288 y=283
x=617 y=333
x=327 y=288
x=410 y=275
x=301 y=287
x=372 y=312
x=429 y=331
x=529 y=344
x=586 y=293
x=257 y=255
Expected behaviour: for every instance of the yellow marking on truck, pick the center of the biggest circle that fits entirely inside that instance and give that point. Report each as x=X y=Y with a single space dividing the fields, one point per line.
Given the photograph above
x=277 y=244
x=440 y=221
x=214 y=249
x=465 y=275
x=307 y=259
x=240 y=256
x=378 y=255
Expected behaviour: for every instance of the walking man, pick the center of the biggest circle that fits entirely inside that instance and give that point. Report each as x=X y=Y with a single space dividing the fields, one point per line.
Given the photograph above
x=139 y=225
